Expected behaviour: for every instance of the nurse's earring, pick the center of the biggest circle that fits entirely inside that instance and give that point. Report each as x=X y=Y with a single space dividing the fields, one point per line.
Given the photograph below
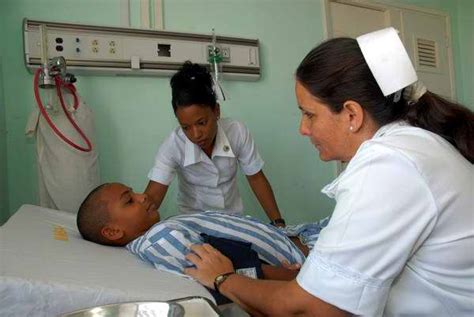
x=351 y=128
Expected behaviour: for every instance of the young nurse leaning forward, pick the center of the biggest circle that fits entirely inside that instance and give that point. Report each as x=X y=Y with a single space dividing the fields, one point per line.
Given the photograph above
x=205 y=152
x=399 y=242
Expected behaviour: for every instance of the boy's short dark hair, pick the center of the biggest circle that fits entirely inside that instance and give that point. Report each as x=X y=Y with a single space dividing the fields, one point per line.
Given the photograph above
x=92 y=216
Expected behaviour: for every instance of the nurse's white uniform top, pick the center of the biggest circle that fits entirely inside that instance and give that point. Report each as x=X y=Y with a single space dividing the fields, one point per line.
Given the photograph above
x=208 y=183
x=401 y=239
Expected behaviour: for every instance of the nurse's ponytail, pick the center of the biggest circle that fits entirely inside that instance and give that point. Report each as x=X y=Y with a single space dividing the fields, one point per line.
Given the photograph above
x=192 y=85
x=336 y=71
x=452 y=121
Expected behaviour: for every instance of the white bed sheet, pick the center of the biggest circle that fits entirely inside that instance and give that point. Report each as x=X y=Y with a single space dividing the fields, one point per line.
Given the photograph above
x=42 y=274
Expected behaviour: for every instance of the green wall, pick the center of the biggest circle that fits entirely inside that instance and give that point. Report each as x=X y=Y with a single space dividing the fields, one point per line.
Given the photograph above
x=3 y=135
x=463 y=29
x=461 y=13
x=133 y=115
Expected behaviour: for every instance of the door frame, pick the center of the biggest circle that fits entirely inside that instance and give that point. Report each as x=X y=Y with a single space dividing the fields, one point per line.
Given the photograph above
x=391 y=8
x=385 y=5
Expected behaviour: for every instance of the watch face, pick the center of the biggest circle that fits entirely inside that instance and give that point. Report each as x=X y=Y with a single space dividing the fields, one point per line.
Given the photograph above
x=219 y=278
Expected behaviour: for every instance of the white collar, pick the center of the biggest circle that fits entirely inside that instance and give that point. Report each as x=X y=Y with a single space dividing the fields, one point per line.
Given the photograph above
x=331 y=188
x=386 y=128
x=222 y=146
x=194 y=154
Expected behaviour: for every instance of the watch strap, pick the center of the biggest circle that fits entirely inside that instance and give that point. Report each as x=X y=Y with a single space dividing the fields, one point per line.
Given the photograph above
x=278 y=221
x=221 y=279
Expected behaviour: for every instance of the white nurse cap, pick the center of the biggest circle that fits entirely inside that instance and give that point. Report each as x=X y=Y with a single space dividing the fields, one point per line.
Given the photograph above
x=388 y=60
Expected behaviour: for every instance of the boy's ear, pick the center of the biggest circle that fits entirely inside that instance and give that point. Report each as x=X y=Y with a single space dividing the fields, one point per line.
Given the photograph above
x=112 y=232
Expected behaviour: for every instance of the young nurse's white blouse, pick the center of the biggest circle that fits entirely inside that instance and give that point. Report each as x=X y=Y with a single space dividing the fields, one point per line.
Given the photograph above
x=208 y=183
x=401 y=239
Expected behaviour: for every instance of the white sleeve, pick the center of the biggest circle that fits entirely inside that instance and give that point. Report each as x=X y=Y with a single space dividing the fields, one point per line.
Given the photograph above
x=384 y=212
x=249 y=159
x=166 y=162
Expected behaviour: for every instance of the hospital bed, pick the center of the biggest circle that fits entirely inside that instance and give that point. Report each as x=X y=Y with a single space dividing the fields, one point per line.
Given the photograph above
x=47 y=269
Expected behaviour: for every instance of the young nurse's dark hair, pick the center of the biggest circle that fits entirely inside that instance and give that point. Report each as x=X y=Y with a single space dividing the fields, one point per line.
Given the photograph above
x=336 y=71
x=192 y=85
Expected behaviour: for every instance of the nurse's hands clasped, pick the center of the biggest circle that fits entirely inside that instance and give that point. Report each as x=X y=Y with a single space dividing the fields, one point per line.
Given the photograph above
x=209 y=262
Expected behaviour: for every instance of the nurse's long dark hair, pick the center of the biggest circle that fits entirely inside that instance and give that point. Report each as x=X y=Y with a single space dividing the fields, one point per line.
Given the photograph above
x=335 y=71
x=192 y=85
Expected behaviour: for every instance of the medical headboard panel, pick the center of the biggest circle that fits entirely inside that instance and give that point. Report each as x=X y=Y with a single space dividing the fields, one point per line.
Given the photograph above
x=107 y=50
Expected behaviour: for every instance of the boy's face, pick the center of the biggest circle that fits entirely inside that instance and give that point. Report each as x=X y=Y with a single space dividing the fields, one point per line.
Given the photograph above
x=131 y=214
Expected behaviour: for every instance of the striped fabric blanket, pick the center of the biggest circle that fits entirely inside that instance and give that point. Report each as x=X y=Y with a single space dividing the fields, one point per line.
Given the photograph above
x=166 y=244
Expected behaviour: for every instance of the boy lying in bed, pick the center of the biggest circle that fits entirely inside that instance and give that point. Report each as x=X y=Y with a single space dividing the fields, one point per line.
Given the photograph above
x=112 y=214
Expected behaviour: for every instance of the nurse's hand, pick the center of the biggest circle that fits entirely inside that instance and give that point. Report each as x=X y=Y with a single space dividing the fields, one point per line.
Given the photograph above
x=291 y=267
x=209 y=262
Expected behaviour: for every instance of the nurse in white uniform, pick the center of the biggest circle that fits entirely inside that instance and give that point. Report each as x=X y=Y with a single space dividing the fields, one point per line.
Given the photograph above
x=401 y=238
x=205 y=152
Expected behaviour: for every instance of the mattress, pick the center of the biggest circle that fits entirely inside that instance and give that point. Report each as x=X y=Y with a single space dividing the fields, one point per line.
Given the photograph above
x=47 y=269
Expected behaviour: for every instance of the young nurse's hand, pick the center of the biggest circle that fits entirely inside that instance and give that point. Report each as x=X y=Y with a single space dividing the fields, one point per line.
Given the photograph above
x=291 y=267
x=209 y=264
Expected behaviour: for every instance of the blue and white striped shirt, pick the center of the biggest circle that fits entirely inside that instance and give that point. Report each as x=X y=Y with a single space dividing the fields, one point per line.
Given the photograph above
x=166 y=244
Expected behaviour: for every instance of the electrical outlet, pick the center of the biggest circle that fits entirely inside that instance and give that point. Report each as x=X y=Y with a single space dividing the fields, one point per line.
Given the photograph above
x=224 y=51
x=225 y=54
x=113 y=48
x=95 y=46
